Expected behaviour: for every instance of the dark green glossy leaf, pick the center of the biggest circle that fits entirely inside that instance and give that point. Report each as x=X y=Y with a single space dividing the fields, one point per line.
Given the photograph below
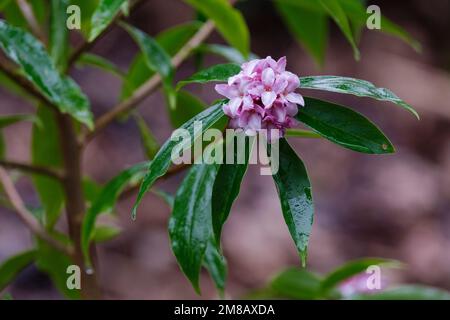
x=353 y=268
x=157 y=59
x=46 y=151
x=11 y=267
x=407 y=292
x=187 y=107
x=161 y=163
x=171 y=40
x=106 y=201
x=357 y=87
x=30 y=55
x=105 y=233
x=228 y=21
x=88 y=59
x=296 y=283
x=59 y=34
x=294 y=191
x=335 y=10
x=309 y=27
x=103 y=16
x=344 y=127
x=228 y=184
x=229 y=53
x=190 y=224
x=216 y=265
x=219 y=72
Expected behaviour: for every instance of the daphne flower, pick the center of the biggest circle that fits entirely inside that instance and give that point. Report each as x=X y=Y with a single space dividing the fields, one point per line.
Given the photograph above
x=262 y=96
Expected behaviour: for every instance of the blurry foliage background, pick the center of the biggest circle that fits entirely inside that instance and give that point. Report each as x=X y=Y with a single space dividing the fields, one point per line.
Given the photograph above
x=394 y=206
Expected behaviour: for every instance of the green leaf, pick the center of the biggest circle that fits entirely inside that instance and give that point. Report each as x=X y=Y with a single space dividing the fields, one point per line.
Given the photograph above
x=229 y=53
x=229 y=22
x=407 y=292
x=218 y=72
x=46 y=151
x=106 y=202
x=2 y=146
x=7 y=296
x=10 y=268
x=91 y=190
x=171 y=40
x=161 y=163
x=228 y=183
x=105 y=233
x=59 y=34
x=309 y=27
x=296 y=283
x=216 y=265
x=55 y=264
x=190 y=226
x=360 y=88
x=188 y=106
x=148 y=140
x=7 y=120
x=103 y=16
x=30 y=55
x=14 y=15
x=334 y=9
x=87 y=8
x=353 y=268
x=344 y=127
x=88 y=59
x=294 y=191
x=157 y=59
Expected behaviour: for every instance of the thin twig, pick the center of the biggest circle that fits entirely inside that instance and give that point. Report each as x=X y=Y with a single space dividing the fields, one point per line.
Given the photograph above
x=152 y=84
x=27 y=12
x=26 y=216
x=30 y=168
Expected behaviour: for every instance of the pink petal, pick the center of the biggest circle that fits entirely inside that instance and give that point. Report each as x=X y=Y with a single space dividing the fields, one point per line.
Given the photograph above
x=293 y=81
x=295 y=98
x=281 y=64
x=249 y=67
x=291 y=109
x=268 y=77
x=227 y=91
x=247 y=103
x=267 y=98
x=234 y=105
x=280 y=85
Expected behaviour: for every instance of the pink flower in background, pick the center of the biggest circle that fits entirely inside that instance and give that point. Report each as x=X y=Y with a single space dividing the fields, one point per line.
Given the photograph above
x=262 y=96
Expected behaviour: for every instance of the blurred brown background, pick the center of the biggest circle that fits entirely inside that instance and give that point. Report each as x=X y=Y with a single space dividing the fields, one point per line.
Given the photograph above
x=395 y=206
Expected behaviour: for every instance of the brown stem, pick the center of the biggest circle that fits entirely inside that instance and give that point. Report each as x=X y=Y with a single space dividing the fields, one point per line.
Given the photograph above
x=26 y=216
x=50 y=172
x=75 y=202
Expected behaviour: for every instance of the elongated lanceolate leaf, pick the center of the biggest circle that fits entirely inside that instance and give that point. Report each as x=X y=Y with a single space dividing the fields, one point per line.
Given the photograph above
x=103 y=16
x=218 y=72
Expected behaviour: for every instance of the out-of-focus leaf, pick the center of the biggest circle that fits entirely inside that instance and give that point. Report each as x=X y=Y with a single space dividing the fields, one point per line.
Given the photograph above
x=294 y=191
x=30 y=55
x=353 y=268
x=14 y=15
x=15 y=89
x=103 y=16
x=344 y=127
x=2 y=146
x=46 y=151
x=87 y=8
x=55 y=264
x=171 y=40
x=229 y=53
x=91 y=190
x=406 y=292
x=157 y=59
x=7 y=296
x=228 y=183
x=59 y=35
x=190 y=226
x=228 y=20
x=105 y=233
x=10 y=268
x=310 y=28
x=357 y=87
x=161 y=163
x=334 y=9
x=187 y=107
x=296 y=283
x=7 y=120
x=218 y=72
x=106 y=201
x=148 y=140
x=88 y=59
x=216 y=265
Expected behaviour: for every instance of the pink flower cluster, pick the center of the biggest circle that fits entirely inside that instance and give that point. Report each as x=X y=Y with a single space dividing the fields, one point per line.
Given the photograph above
x=262 y=96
